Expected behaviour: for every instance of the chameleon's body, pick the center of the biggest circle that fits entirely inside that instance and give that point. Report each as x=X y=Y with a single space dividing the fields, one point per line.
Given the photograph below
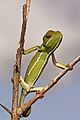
x=51 y=41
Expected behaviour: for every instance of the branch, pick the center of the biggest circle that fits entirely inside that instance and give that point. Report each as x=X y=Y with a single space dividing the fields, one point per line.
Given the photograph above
x=9 y=111
x=17 y=66
x=48 y=86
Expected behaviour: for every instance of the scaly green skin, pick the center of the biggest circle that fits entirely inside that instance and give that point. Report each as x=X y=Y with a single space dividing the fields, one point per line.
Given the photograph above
x=51 y=41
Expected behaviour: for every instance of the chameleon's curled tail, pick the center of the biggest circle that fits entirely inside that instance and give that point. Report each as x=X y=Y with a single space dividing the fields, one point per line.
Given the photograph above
x=28 y=111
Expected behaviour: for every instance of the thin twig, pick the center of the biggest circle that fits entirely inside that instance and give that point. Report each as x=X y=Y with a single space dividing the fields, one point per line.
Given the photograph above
x=17 y=66
x=47 y=87
x=9 y=111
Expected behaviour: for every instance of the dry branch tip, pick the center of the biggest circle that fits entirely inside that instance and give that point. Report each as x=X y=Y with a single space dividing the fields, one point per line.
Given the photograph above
x=9 y=111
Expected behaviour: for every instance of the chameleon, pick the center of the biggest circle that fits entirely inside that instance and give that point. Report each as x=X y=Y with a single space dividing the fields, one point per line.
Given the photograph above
x=51 y=41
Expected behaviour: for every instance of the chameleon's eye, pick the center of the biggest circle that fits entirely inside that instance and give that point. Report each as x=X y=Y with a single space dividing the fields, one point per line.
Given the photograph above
x=48 y=36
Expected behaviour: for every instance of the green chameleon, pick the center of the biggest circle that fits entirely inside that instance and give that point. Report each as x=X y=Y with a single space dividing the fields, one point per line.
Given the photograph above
x=51 y=42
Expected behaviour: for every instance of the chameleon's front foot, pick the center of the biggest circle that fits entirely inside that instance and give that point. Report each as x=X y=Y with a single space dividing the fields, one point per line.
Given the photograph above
x=68 y=65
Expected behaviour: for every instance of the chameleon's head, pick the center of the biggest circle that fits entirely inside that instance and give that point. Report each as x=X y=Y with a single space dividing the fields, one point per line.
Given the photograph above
x=52 y=39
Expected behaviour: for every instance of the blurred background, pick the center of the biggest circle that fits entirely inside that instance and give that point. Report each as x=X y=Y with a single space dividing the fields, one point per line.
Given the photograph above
x=62 y=102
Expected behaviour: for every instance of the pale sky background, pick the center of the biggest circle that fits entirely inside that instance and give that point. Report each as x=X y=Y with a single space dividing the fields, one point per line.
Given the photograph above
x=62 y=102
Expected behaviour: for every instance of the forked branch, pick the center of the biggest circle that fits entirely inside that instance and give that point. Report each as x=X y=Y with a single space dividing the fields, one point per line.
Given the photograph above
x=18 y=111
x=17 y=65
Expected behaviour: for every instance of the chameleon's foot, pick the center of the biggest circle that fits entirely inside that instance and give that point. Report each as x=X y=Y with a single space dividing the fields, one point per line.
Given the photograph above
x=68 y=65
x=35 y=89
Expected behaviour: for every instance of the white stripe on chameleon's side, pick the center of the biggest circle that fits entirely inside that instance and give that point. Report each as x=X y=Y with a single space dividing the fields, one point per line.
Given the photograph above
x=35 y=63
x=48 y=41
